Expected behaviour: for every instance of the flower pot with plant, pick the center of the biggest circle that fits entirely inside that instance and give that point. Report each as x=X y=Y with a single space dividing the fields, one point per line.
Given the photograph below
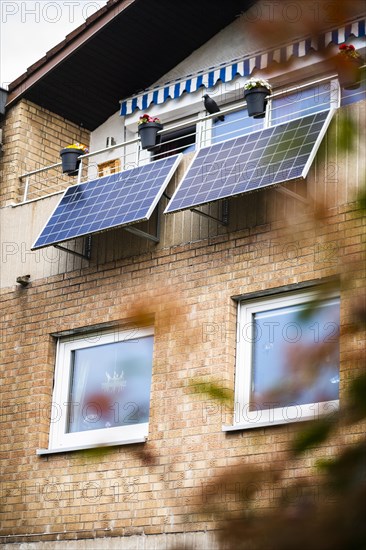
x=256 y=91
x=348 y=64
x=70 y=157
x=148 y=128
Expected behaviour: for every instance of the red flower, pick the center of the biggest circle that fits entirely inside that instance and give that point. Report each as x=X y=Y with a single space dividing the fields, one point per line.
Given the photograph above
x=348 y=52
x=144 y=119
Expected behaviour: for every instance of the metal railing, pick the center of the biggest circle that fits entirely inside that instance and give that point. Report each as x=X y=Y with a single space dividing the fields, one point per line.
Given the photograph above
x=35 y=184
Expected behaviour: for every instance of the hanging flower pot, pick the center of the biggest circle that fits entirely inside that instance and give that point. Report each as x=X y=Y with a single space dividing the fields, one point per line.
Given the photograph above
x=263 y=114
x=70 y=158
x=256 y=91
x=348 y=65
x=148 y=129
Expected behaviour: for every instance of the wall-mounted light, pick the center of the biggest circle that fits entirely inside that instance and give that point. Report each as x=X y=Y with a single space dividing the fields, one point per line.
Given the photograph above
x=23 y=280
x=110 y=141
x=3 y=100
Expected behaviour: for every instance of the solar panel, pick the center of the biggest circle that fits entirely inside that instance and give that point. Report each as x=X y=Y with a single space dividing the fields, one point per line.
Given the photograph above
x=111 y=201
x=254 y=161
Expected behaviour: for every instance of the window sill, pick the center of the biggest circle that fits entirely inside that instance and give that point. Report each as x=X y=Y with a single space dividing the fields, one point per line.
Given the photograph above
x=43 y=452
x=266 y=423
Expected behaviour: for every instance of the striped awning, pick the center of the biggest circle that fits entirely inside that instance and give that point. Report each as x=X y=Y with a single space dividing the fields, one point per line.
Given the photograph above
x=239 y=67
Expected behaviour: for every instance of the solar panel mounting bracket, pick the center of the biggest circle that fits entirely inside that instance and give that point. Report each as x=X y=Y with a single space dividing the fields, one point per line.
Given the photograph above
x=87 y=249
x=142 y=234
x=225 y=213
x=292 y=194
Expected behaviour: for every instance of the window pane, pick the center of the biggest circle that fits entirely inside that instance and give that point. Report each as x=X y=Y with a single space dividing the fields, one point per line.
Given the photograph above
x=182 y=140
x=235 y=124
x=295 y=356
x=110 y=385
x=301 y=103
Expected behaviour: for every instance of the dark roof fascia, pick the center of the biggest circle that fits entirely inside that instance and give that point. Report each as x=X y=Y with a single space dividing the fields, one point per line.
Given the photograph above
x=74 y=40
x=84 y=78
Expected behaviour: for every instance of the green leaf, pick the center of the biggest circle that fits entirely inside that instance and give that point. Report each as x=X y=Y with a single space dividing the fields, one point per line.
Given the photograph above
x=312 y=435
x=347 y=131
x=361 y=199
x=212 y=390
x=357 y=398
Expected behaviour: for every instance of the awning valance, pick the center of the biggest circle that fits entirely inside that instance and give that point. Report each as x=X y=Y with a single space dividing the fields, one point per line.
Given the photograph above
x=239 y=67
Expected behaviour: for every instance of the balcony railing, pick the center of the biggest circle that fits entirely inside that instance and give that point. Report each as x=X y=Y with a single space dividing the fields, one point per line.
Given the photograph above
x=282 y=106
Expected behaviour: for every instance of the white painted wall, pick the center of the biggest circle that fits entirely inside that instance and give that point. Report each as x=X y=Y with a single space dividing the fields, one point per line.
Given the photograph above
x=19 y=228
x=226 y=45
x=113 y=127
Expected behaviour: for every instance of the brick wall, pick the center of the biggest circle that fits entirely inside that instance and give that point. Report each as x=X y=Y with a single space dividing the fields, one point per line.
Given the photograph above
x=157 y=487
x=33 y=138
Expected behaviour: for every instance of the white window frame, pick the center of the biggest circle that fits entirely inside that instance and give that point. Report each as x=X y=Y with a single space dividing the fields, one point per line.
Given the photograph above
x=243 y=417
x=335 y=97
x=59 y=439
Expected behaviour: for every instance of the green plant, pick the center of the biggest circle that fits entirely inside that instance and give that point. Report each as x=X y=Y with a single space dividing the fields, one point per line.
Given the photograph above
x=144 y=119
x=257 y=83
x=348 y=51
x=77 y=145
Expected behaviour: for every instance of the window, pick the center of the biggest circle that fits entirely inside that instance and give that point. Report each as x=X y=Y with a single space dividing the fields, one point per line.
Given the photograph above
x=303 y=102
x=287 y=358
x=281 y=108
x=235 y=124
x=102 y=389
x=109 y=167
x=182 y=140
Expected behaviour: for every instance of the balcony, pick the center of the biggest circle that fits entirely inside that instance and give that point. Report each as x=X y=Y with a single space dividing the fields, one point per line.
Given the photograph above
x=42 y=190
x=192 y=134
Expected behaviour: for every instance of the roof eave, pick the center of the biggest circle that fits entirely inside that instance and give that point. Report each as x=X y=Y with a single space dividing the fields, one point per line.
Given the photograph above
x=64 y=49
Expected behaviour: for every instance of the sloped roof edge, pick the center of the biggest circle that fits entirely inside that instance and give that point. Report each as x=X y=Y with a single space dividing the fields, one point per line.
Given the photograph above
x=120 y=50
x=72 y=41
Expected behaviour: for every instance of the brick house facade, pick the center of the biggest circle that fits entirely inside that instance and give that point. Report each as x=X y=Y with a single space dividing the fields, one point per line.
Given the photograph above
x=151 y=494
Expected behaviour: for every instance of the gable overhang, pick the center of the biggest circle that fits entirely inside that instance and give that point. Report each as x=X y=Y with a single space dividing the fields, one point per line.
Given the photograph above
x=120 y=50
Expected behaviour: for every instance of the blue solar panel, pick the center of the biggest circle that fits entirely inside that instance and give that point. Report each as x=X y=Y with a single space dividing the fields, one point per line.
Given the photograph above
x=115 y=200
x=250 y=162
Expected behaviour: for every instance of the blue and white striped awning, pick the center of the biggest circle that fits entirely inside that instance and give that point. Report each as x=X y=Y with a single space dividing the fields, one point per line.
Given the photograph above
x=239 y=67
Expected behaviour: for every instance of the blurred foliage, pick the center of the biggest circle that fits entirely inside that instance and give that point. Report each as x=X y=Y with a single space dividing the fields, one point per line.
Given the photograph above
x=347 y=132
x=312 y=494
x=362 y=200
x=312 y=435
x=357 y=405
x=323 y=508
x=212 y=390
x=325 y=291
